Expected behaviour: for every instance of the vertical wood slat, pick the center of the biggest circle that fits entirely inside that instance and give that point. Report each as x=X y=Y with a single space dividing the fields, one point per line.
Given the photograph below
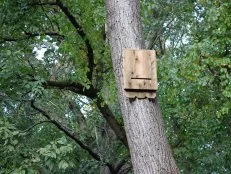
x=154 y=68
x=127 y=67
x=141 y=65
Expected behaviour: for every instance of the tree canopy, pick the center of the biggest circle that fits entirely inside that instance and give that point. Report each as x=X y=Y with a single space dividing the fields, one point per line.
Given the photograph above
x=59 y=105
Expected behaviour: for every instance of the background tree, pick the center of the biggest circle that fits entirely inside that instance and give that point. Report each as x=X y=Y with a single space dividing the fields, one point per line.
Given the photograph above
x=60 y=112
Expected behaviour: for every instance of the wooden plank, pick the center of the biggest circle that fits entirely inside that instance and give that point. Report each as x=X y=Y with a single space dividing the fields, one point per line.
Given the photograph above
x=139 y=73
x=128 y=55
x=142 y=84
x=140 y=94
x=141 y=65
x=152 y=55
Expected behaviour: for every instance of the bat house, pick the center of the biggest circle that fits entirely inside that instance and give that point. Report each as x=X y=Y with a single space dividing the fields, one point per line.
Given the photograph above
x=139 y=73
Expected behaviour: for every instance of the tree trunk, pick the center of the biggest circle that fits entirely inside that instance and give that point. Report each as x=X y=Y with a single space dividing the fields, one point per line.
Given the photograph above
x=150 y=152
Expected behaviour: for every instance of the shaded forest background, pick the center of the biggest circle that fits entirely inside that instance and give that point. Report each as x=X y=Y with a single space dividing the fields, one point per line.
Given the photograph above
x=60 y=112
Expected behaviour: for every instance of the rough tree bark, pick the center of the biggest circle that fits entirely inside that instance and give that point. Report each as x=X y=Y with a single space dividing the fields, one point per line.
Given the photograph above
x=150 y=152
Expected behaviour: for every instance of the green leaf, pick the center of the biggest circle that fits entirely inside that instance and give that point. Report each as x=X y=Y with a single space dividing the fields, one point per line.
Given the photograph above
x=63 y=164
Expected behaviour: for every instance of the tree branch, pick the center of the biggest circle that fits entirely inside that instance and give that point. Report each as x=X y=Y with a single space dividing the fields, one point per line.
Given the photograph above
x=91 y=92
x=74 y=87
x=42 y=3
x=82 y=34
x=109 y=116
x=126 y=170
x=43 y=9
x=104 y=109
x=155 y=37
x=67 y=131
x=46 y=33
x=80 y=31
x=31 y=127
x=29 y=36
x=119 y=166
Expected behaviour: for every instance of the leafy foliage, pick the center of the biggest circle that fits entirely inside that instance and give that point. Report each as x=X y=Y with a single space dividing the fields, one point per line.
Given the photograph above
x=194 y=84
x=56 y=83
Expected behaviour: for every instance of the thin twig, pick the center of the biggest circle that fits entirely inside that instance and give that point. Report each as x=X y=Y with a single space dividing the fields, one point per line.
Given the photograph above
x=41 y=122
